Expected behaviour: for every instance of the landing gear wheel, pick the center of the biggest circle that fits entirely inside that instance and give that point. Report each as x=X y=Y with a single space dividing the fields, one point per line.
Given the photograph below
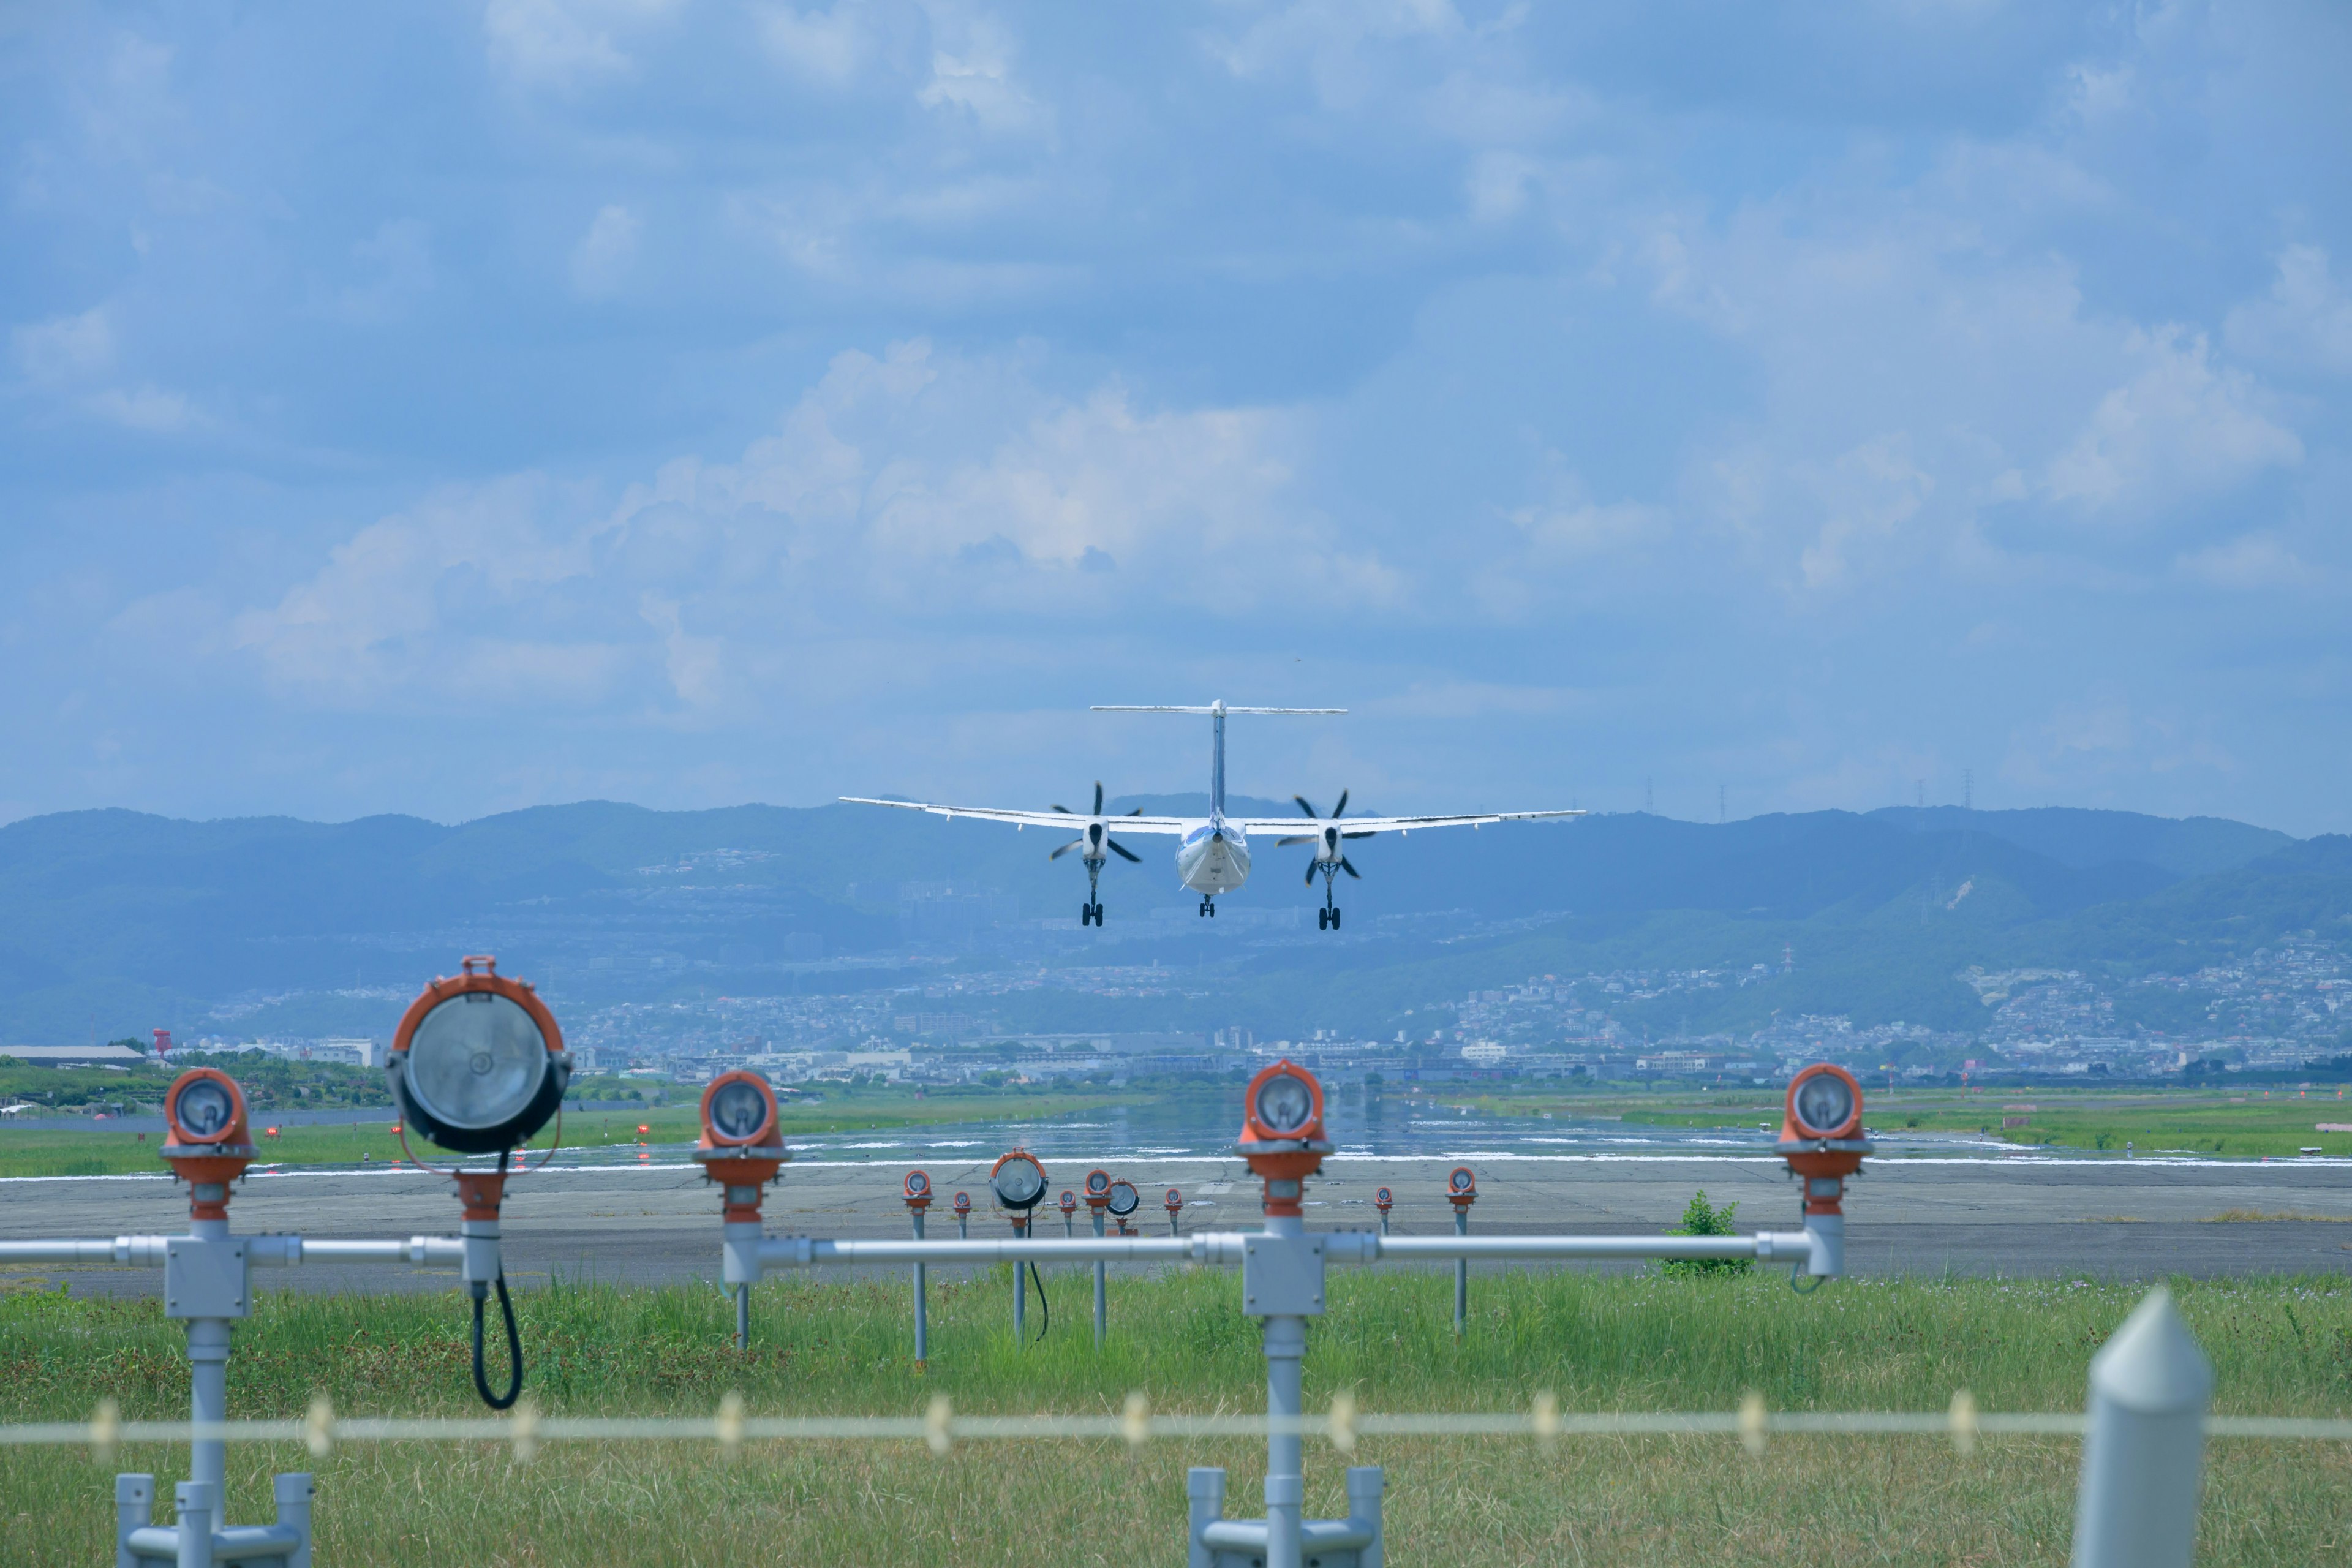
x=1323 y=920
x=1335 y=916
x=1097 y=914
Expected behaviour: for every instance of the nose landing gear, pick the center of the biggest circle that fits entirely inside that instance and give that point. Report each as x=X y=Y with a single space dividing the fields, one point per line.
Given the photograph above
x=1327 y=918
x=1090 y=913
x=1208 y=908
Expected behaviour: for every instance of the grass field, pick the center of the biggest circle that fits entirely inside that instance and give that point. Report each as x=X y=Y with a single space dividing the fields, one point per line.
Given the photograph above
x=1599 y=1342
x=102 y=1152
x=2249 y=1123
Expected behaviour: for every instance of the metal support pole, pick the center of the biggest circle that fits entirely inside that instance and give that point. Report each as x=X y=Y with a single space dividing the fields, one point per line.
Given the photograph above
x=1461 y=1271
x=293 y=1492
x=2144 y=1453
x=743 y=1316
x=922 y=1302
x=208 y=1382
x=134 y=1508
x=1102 y=1310
x=1286 y=1483
x=1205 y=1486
x=199 y=1504
x=1365 y=1484
x=1020 y=1293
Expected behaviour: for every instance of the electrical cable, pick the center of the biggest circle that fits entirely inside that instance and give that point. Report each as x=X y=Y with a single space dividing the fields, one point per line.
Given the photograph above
x=1047 y=1327
x=514 y=1336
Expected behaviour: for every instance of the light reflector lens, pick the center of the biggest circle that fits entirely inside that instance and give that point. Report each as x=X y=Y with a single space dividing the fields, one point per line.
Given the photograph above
x=1124 y=1197
x=1284 y=1103
x=477 y=1062
x=1825 y=1103
x=738 y=1110
x=204 y=1110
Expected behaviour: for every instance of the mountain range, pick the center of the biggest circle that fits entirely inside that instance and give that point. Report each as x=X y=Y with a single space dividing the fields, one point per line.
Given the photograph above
x=113 y=922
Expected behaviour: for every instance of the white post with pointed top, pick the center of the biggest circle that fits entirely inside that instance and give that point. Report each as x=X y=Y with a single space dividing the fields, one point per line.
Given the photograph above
x=2144 y=1455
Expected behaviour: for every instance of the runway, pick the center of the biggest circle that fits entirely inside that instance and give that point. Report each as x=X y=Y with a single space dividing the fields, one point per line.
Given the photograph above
x=658 y=1222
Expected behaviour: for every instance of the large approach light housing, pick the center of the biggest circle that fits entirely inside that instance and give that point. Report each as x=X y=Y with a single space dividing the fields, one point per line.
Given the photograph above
x=478 y=1064
x=1281 y=1133
x=1018 y=1181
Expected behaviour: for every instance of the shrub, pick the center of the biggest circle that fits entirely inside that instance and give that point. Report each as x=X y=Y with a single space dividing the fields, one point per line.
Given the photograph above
x=1702 y=1218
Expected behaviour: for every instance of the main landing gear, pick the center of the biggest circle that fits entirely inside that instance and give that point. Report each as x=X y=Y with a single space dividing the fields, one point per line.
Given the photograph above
x=1208 y=908
x=1327 y=918
x=1090 y=914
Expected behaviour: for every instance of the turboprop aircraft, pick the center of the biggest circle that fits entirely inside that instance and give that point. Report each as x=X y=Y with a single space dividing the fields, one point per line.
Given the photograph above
x=1212 y=852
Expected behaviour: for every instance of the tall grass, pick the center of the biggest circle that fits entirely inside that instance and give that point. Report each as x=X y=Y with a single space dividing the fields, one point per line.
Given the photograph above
x=1599 y=1341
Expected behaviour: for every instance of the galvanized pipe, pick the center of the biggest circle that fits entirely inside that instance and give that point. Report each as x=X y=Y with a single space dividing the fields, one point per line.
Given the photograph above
x=1782 y=1246
x=1021 y=1292
x=1102 y=1304
x=208 y=1399
x=776 y=1251
x=922 y=1299
x=743 y=1315
x=1461 y=1271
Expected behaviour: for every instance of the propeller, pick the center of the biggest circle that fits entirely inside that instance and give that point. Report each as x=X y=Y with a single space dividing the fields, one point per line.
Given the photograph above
x=1327 y=842
x=1096 y=834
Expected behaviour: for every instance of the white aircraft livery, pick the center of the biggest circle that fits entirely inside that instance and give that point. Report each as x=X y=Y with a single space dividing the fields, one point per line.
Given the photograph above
x=1213 y=853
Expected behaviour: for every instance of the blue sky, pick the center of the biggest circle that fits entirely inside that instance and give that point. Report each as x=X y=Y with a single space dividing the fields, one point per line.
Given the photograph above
x=447 y=408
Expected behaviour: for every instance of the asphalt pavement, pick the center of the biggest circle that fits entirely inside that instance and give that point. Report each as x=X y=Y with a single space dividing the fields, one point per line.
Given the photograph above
x=658 y=1222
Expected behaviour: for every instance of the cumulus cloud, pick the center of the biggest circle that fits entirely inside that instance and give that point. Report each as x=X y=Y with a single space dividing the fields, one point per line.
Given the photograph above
x=2180 y=428
x=2304 y=323
x=906 y=485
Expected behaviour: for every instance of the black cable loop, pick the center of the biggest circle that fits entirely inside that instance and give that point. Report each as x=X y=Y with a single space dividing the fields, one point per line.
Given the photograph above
x=1047 y=1307
x=514 y=1350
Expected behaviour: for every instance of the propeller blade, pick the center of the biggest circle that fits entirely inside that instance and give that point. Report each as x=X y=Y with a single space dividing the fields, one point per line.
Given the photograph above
x=1296 y=838
x=1310 y=873
x=1065 y=810
x=1349 y=867
x=1122 y=850
x=1098 y=797
x=1137 y=811
x=1065 y=849
x=1367 y=833
x=1304 y=806
x=1341 y=809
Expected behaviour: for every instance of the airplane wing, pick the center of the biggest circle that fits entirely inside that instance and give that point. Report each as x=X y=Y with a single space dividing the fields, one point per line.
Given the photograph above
x=1066 y=820
x=1364 y=827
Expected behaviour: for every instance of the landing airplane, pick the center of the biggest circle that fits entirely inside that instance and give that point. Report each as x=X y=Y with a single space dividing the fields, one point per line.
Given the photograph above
x=1213 y=853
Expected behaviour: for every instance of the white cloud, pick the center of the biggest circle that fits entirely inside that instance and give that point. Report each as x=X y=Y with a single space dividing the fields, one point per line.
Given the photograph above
x=2179 y=428
x=601 y=260
x=565 y=43
x=152 y=409
x=2251 y=563
x=2306 y=320
x=909 y=488
x=67 y=348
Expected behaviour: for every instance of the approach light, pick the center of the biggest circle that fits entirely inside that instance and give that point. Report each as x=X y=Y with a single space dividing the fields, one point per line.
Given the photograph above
x=1821 y=1137
x=1018 y=1181
x=741 y=1148
x=477 y=1064
x=963 y=1202
x=1462 y=1187
x=209 y=1144
x=1175 y=1203
x=1383 y=1200
x=1067 y=1203
x=1281 y=1133
x=1124 y=1199
x=917 y=1193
